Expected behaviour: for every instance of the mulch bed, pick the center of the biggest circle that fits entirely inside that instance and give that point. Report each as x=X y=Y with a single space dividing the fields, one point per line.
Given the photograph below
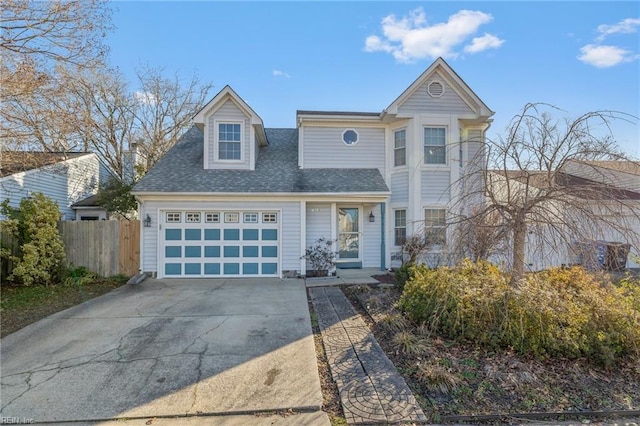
x=453 y=378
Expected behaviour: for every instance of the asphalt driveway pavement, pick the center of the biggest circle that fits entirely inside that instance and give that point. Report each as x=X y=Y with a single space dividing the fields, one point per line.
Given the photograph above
x=166 y=348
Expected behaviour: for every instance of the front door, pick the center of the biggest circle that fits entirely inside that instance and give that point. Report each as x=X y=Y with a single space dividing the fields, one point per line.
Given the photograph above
x=348 y=234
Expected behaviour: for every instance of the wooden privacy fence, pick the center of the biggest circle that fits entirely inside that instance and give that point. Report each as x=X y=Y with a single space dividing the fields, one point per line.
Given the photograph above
x=107 y=247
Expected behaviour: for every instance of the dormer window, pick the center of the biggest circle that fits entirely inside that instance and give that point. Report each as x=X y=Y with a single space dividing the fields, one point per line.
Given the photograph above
x=229 y=141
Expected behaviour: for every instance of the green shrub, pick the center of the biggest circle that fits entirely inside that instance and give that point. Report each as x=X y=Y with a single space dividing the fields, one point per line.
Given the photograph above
x=402 y=275
x=79 y=276
x=560 y=312
x=35 y=226
x=461 y=302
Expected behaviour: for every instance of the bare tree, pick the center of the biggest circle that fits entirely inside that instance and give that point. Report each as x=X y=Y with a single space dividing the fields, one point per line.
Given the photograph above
x=38 y=37
x=61 y=31
x=40 y=115
x=535 y=202
x=106 y=115
x=164 y=110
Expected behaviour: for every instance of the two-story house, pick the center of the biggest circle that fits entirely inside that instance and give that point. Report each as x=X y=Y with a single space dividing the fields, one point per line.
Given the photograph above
x=233 y=198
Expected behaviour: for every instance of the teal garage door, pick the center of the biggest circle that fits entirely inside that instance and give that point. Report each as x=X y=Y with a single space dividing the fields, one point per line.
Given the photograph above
x=219 y=244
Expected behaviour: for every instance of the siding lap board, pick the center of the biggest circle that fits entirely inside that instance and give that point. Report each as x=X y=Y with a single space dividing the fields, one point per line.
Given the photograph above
x=435 y=186
x=400 y=187
x=448 y=103
x=323 y=148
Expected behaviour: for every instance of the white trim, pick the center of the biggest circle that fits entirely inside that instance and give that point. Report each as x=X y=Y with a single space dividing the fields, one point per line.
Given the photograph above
x=406 y=223
x=334 y=226
x=303 y=237
x=216 y=140
x=446 y=146
x=350 y=130
x=301 y=147
x=161 y=259
x=393 y=147
x=438 y=81
x=447 y=73
x=252 y=148
x=267 y=196
x=141 y=237
x=360 y=232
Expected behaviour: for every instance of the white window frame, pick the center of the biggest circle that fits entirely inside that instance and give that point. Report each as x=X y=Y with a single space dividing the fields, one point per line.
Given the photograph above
x=212 y=217
x=170 y=217
x=396 y=149
x=216 y=145
x=231 y=217
x=250 y=217
x=270 y=217
x=444 y=146
x=443 y=226
x=350 y=130
x=396 y=227
x=192 y=217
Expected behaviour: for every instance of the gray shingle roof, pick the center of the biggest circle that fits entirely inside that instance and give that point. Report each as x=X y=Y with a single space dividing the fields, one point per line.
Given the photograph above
x=181 y=170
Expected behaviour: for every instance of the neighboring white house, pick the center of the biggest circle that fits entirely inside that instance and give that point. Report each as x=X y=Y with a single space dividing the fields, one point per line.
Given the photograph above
x=65 y=177
x=618 y=206
x=232 y=198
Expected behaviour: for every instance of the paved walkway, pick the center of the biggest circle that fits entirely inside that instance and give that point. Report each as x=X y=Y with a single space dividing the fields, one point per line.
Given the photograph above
x=371 y=390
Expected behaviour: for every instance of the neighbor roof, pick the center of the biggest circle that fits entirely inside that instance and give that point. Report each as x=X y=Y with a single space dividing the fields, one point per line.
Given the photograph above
x=181 y=171
x=579 y=187
x=631 y=167
x=21 y=161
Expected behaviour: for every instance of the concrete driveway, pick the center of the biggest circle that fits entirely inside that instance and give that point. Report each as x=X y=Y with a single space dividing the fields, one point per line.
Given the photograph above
x=166 y=348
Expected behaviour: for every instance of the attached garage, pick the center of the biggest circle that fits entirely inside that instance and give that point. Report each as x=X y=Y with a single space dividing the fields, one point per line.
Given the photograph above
x=222 y=243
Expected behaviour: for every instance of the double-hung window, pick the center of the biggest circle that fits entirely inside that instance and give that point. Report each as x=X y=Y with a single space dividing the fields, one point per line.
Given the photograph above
x=435 y=226
x=434 y=145
x=229 y=141
x=400 y=227
x=399 y=148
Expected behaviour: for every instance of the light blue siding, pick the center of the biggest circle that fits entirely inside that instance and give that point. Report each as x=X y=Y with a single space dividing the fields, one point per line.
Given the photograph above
x=323 y=148
x=400 y=187
x=230 y=112
x=436 y=186
x=448 y=103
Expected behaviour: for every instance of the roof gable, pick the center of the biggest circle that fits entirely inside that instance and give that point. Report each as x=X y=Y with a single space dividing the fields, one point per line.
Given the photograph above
x=12 y=162
x=440 y=70
x=228 y=94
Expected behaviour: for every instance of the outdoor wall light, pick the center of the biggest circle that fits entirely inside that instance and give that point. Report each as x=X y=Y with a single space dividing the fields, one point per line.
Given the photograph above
x=372 y=218
x=147 y=221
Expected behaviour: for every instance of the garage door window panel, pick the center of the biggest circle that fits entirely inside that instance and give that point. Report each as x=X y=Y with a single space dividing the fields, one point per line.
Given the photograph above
x=231 y=234
x=269 y=235
x=231 y=268
x=173 y=251
x=193 y=251
x=250 y=268
x=250 y=234
x=211 y=251
x=212 y=234
x=192 y=234
x=192 y=269
x=212 y=269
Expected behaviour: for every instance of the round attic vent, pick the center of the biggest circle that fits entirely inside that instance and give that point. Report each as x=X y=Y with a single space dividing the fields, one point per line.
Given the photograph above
x=435 y=89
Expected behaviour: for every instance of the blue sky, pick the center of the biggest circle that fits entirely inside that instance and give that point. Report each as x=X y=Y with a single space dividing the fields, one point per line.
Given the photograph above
x=359 y=56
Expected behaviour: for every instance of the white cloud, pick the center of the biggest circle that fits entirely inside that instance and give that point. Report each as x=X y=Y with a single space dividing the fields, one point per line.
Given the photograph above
x=605 y=56
x=410 y=37
x=626 y=26
x=278 y=73
x=487 y=41
x=147 y=98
